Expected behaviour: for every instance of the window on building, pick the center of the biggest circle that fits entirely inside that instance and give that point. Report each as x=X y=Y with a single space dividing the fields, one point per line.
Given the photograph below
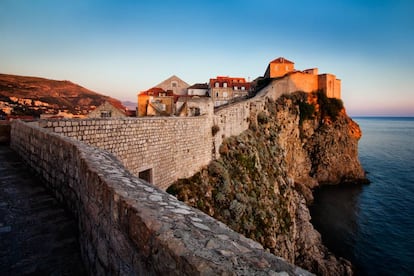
x=195 y=111
x=174 y=84
x=224 y=94
x=225 y=84
x=243 y=88
x=236 y=88
x=216 y=94
x=105 y=114
x=146 y=175
x=163 y=94
x=217 y=84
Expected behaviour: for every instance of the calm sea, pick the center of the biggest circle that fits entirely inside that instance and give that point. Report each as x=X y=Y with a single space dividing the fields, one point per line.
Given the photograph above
x=373 y=225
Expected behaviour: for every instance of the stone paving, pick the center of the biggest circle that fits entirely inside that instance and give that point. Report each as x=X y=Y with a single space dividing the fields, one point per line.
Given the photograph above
x=37 y=236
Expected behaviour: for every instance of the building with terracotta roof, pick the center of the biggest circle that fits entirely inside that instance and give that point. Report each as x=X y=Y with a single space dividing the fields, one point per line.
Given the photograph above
x=224 y=90
x=109 y=109
x=175 y=84
x=156 y=102
x=160 y=100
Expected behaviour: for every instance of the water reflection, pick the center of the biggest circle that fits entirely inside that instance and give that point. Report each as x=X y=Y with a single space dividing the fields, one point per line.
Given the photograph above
x=335 y=214
x=372 y=226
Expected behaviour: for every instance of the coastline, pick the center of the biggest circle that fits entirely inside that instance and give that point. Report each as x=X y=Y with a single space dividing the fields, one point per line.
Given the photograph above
x=369 y=224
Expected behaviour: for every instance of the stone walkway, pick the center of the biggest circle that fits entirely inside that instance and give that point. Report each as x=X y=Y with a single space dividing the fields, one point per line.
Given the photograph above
x=37 y=236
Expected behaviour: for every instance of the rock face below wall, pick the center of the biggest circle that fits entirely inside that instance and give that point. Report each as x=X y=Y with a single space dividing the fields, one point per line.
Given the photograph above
x=263 y=181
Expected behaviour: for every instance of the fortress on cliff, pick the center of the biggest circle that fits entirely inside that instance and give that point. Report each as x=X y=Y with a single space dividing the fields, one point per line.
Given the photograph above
x=112 y=172
x=288 y=80
x=175 y=97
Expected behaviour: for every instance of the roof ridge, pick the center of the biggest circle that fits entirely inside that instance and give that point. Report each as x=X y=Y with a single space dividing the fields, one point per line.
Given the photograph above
x=281 y=60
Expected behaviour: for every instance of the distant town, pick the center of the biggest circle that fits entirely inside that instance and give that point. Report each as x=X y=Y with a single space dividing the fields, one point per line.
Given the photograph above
x=171 y=97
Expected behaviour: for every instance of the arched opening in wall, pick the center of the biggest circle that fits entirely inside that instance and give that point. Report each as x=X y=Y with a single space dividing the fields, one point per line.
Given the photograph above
x=146 y=175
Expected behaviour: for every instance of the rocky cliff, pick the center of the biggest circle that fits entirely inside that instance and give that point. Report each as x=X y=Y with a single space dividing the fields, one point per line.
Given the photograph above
x=262 y=183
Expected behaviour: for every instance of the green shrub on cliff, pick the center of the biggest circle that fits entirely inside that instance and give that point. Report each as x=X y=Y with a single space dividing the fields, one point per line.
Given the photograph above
x=306 y=111
x=329 y=106
x=173 y=190
x=262 y=118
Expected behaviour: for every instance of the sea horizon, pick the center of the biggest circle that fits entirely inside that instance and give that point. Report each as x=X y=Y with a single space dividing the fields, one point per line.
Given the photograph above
x=381 y=116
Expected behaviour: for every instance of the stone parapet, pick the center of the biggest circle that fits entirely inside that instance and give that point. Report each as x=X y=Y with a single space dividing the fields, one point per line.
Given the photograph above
x=130 y=227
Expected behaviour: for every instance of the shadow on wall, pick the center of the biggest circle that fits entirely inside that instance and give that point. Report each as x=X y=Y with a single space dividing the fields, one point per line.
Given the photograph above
x=5 y=132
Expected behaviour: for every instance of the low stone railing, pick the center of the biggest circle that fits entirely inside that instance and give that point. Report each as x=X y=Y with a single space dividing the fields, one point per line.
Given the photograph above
x=129 y=227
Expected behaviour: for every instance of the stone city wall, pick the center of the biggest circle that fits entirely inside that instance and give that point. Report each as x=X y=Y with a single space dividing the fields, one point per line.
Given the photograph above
x=293 y=82
x=167 y=147
x=230 y=120
x=305 y=82
x=233 y=119
x=170 y=147
x=129 y=227
x=331 y=85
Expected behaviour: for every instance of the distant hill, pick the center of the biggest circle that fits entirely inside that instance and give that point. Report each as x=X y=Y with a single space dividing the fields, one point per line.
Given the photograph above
x=59 y=95
x=130 y=105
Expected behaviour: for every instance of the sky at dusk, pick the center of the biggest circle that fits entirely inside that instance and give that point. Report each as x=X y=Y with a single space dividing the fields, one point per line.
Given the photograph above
x=119 y=48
